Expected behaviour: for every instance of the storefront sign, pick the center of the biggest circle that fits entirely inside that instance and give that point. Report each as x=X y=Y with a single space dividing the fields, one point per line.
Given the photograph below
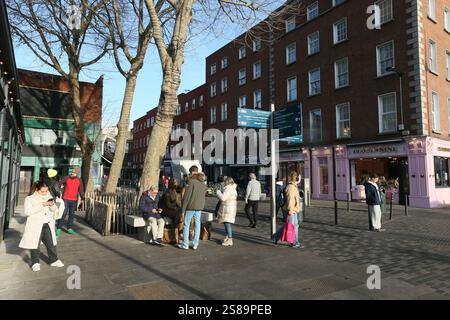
x=442 y=149
x=374 y=151
x=291 y=156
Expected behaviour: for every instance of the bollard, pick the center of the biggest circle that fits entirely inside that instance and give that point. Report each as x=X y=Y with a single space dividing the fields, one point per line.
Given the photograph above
x=406 y=205
x=335 y=212
x=348 y=202
x=390 y=207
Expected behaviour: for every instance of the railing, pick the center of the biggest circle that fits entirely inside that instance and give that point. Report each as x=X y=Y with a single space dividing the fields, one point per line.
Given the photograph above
x=106 y=212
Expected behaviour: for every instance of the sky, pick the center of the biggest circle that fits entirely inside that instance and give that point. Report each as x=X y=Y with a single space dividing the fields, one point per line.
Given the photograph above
x=149 y=82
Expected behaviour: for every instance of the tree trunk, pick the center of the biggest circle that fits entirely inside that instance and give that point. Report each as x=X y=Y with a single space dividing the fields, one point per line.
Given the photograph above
x=86 y=145
x=159 y=138
x=122 y=135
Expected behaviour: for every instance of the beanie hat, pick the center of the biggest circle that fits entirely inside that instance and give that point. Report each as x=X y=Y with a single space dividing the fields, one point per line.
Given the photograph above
x=52 y=173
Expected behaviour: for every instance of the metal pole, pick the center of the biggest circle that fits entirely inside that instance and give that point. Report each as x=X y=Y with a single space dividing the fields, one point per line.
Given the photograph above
x=348 y=201
x=406 y=204
x=335 y=212
x=272 y=178
x=401 y=100
x=390 y=207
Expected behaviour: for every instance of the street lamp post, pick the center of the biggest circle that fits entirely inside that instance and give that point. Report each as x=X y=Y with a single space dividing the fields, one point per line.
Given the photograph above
x=401 y=126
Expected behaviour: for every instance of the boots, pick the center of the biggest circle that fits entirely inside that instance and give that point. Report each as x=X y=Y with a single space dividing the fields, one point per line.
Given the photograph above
x=177 y=235
x=228 y=242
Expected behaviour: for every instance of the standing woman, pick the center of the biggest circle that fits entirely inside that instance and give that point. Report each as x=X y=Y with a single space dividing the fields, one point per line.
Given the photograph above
x=171 y=206
x=40 y=209
x=228 y=208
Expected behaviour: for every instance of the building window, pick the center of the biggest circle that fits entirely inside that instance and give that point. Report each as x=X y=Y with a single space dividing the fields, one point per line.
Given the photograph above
x=387 y=111
x=343 y=120
x=447 y=19
x=152 y=121
x=224 y=62
x=290 y=24
x=441 y=172
x=313 y=11
x=386 y=10
x=435 y=111
x=314 y=82
x=213 y=90
x=291 y=53
x=341 y=78
x=315 y=125
x=178 y=111
x=292 y=89
x=213 y=69
x=257 y=70
x=448 y=65
x=340 y=31
x=201 y=102
x=242 y=76
x=224 y=86
x=336 y=2
x=256 y=44
x=213 y=115
x=186 y=107
x=242 y=101
x=224 y=110
x=385 y=58
x=432 y=9
x=242 y=52
x=433 y=56
x=194 y=104
x=313 y=43
x=257 y=99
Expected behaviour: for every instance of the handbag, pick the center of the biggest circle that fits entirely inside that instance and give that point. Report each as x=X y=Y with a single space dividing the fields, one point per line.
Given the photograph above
x=61 y=207
x=288 y=234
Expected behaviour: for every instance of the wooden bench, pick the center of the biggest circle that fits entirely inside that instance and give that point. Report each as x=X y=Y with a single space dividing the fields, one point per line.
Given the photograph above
x=139 y=222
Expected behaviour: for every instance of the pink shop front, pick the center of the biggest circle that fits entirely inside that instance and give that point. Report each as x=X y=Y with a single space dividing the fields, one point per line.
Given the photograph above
x=419 y=167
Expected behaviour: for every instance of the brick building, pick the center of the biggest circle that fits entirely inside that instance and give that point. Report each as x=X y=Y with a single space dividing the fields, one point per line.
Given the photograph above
x=375 y=95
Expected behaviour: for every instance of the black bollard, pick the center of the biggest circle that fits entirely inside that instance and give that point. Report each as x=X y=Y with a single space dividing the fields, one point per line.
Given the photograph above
x=348 y=202
x=335 y=212
x=406 y=205
x=390 y=207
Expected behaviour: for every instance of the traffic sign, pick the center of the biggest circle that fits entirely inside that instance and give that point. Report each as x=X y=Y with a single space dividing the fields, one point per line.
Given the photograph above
x=252 y=118
x=288 y=121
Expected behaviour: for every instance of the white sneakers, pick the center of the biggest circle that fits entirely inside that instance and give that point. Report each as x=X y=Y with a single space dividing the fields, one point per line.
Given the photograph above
x=228 y=242
x=57 y=264
x=36 y=267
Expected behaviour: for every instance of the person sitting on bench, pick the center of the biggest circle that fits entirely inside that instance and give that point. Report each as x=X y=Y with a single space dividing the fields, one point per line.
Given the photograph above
x=149 y=207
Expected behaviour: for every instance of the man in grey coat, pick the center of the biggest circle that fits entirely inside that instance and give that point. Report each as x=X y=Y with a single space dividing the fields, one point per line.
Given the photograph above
x=252 y=197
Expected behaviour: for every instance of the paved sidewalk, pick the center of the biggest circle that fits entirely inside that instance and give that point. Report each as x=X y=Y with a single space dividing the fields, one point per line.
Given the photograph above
x=413 y=254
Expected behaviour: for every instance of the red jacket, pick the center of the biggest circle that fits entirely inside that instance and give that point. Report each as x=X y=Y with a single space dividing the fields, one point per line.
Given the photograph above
x=73 y=187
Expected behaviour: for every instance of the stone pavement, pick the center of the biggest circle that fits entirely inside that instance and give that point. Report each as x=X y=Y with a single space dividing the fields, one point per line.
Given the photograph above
x=413 y=255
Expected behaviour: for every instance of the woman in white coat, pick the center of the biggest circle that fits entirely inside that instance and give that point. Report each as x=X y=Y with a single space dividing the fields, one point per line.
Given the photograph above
x=227 y=209
x=40 y=210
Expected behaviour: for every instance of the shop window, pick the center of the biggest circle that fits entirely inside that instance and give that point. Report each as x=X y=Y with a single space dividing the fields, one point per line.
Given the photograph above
x=323 y=171
x=441 y=172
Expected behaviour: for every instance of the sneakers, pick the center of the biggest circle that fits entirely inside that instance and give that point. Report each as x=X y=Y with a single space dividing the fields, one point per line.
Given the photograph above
x=58 y=264
x=380 y=230
x=298 y=246
x=228 y=242
x=150 y=241
x=194 y=247
x=58 y=232
x=36 y=267
x=181 y=246
x=158 y=243
x=70 y=231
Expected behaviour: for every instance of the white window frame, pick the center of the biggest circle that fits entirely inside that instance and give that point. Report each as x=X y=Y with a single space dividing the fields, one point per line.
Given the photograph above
x=447 y=53
x=213 y=115
x=447 y=19
x=186 y=107
x=288 y=53
x=224 y=111
x=435 y=112
x=224 y=62
x=290 y=24
x=242 y=101
x=242 y=52
x=340 y=121
x=310 y=82
x=201 y=101
x=256 y=45
x=194 y=104
x=381 y=112
x=432 y=9
x=390 y=15
x=255 y=100
x=224 y=85
x=256 y=76
x=213 y=69
x=314 y=131
x=335 y=3
x=242 y=80
x=152 y=121
x=336 y=74
x=310 y=52
x=213 y=90
x=335 y=31
x=380 y=72
x=314 y=5
x=433 y=56
x=178 y=110
x=291 y=92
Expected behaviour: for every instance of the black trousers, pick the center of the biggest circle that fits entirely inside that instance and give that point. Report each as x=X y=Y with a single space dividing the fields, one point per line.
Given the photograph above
x=254 y=206
x=46 y=238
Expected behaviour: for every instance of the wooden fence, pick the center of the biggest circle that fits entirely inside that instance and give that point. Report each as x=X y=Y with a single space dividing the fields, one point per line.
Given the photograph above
x=106 y=212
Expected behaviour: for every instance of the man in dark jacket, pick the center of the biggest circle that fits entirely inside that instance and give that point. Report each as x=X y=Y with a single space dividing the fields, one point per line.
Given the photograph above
x=373 y=200
x=193 y=204
x=149 y=207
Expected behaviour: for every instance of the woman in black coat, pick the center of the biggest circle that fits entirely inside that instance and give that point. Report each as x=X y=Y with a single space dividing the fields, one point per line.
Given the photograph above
x=171 y=206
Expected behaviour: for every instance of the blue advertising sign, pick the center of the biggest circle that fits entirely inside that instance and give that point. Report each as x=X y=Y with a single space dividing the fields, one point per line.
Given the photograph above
x=289 y=122
x=251 y=118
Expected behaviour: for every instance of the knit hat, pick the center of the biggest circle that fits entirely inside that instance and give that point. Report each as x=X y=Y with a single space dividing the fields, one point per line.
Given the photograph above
x=52 y=173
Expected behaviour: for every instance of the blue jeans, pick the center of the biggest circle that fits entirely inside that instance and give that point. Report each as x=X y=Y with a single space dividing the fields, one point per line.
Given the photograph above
x=70 y=207
x=229 y=230
x=187 y=222
x=294 y=220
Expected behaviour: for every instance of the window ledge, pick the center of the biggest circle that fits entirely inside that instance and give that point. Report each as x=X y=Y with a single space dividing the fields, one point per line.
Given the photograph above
x=340 y=42
x=291 y=63
x=385 y=75
x=432 y=19
x=446 y=30
x=436 y=131
x=343 y=138
x=341 y=88
x=257 y=78
x=434 y=72
x=313 y=54
x=314 y=95
x=387 y=133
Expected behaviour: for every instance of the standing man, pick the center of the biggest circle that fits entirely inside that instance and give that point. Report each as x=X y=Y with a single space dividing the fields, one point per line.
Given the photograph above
x=252 y=197
x=373 y=200
x=193 y=204
x=73 y=186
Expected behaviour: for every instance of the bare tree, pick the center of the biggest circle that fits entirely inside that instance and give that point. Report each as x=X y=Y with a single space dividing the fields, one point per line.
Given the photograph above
x=170 y=39
x=46 y=29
